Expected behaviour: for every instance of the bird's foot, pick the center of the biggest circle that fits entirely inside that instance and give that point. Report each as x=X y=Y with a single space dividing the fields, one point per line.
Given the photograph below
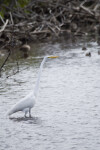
x=25 y=116
x=30 y=116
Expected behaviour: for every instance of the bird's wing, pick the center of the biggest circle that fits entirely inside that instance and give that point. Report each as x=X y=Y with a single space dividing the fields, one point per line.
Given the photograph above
x=26 y=102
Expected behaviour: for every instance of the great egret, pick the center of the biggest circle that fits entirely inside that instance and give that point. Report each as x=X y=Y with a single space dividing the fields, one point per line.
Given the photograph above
x=28 y=102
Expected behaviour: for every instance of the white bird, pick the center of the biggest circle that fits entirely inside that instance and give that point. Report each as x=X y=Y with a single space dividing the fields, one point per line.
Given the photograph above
x=28 y=102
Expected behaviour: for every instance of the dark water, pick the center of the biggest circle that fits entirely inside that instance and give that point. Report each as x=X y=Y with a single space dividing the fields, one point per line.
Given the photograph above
x=67 y=113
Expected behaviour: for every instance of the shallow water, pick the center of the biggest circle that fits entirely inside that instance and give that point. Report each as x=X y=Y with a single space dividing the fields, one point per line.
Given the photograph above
x=67 y=113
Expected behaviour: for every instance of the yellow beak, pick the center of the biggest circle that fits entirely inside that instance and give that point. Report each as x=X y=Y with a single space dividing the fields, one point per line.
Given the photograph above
x=53 y=56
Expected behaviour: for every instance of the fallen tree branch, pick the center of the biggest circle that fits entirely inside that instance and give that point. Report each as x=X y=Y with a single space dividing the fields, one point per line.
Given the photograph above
x=12 y=22
x=17 y=72
x=44 y=17
x=4 y=26
x=39 y=32
x=5 y=61
x=86 y=9
x=2 y=19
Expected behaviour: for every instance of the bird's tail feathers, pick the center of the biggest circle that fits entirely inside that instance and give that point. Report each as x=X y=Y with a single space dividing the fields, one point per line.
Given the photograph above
x=11 y=111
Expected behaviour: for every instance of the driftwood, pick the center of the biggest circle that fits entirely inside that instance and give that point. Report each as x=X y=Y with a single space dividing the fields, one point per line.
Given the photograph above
x=9 y=52
x=87 y=10
x=48 y=18
x=2 y=19
x=4 y=26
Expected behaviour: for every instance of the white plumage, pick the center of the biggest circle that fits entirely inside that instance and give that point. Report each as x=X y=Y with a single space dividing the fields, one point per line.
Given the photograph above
x=28 y=102
x=24 y=105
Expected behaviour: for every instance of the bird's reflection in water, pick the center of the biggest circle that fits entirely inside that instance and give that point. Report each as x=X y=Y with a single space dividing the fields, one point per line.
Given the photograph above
x=30 y=120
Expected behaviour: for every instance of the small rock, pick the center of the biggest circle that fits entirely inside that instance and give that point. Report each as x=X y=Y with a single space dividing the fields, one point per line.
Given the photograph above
x=98 y=40
x=1 y=54
x=25 y=48
x=98 y=52
x=84 y=48
x=88 y=54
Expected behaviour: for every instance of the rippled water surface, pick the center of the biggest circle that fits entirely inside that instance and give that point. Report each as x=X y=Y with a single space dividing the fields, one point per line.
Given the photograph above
x=67 y=113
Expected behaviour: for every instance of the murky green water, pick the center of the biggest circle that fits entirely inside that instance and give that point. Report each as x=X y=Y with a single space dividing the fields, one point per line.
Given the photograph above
x=67 y=113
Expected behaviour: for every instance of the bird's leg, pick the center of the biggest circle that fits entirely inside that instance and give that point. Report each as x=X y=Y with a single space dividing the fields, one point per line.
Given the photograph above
x=30 y=113
x=25 y=114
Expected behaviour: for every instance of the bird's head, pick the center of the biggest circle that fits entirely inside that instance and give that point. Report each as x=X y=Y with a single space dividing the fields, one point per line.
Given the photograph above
x=46 y=57
x=52 y=56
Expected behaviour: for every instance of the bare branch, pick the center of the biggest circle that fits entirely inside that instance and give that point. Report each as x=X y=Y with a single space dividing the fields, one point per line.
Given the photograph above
x=4 y=26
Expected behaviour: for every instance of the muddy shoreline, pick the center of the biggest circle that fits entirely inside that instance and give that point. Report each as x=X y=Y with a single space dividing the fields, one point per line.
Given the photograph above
x=45 y=21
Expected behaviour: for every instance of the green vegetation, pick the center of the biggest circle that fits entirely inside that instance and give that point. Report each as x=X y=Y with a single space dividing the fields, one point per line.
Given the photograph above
x=9 y=5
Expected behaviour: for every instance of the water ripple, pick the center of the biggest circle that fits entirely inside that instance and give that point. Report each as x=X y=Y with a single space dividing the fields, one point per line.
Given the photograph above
x=67 y=113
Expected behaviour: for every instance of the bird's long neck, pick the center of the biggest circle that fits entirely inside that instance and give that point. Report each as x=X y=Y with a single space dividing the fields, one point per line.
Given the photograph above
x=38 y=79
